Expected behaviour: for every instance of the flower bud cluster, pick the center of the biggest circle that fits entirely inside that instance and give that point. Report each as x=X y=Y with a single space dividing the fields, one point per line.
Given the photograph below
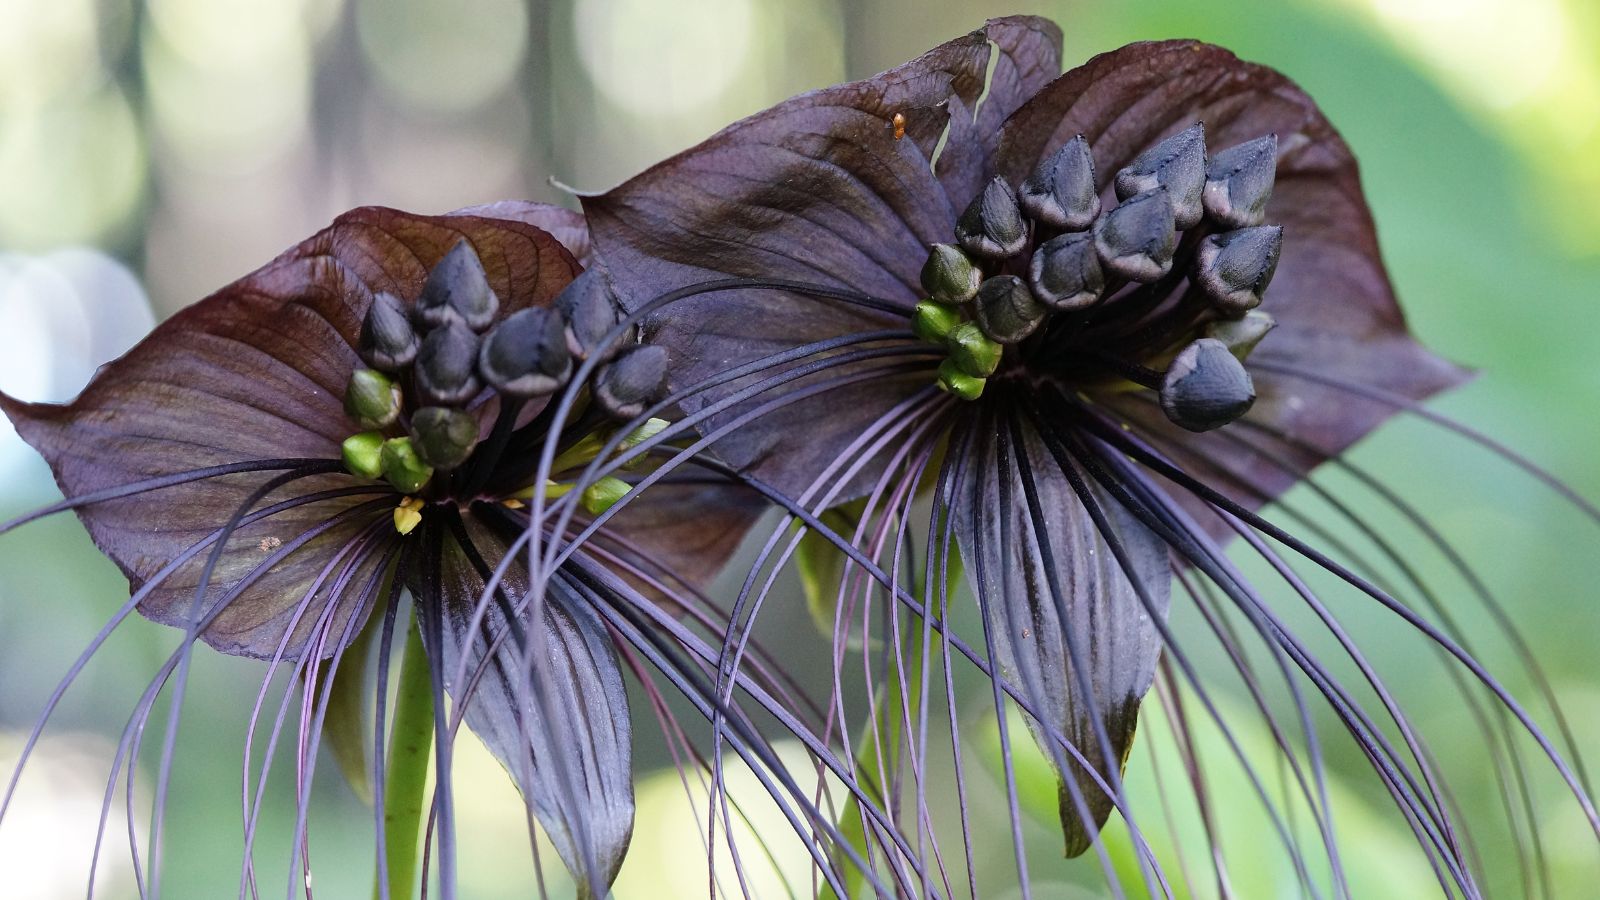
x=1181 y=222
x=433 y=365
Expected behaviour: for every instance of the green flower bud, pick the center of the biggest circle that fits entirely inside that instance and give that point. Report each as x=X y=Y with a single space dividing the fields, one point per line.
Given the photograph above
x=949 y=275
x=1241 y=336
x=371 y=399
x=932 y=321
x=645 y=432
x=603 y=494
x=1206 y=387
x=959 y=383
x=363 y=454
x=973 y=352
x=1177 y=164
x=444 y=437
x=402 y=467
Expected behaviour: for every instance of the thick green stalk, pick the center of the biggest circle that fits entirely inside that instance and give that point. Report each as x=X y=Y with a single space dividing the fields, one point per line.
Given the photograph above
x=410 y=750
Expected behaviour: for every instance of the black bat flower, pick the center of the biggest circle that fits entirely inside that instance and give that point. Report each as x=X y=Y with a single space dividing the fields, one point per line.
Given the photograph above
x=1127 y=306
x=395 y=403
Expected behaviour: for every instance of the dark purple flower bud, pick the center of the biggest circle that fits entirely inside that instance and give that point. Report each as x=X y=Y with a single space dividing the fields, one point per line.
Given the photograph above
x=590 y=311
x=1206 y=387
x=632 y=381
x=444 y=437
x=447 y=365
x=993 y=226
x=1061 y=191
x=1007 y=311
x=949 y=276
x=1177 y=164
x=457 y=290
x=1235 y=267
x=1065 y=272
x=526 y=355
x=1239 y=182
x=1242 y=335
x=1136 y=239
x=372 y=399
x=388 y=342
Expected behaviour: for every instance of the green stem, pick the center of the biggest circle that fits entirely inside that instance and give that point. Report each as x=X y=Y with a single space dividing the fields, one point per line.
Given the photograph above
x=410 y=750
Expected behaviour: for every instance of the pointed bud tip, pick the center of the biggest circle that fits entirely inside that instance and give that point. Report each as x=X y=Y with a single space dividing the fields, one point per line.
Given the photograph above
x=447 y=364
x=590 y=312
x=1061 y=192
x=526 y=355
x=992 y=225
x=1239 y=182
x=457 y=290
x=949 y=275
x=1177 y=164
x=387 y=341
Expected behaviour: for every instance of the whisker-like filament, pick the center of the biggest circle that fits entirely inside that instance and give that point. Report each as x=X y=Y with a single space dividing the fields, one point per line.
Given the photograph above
x=158 y=483
x=121 y=615
x=128 y=744
x=1142 y=454
x=170 y=738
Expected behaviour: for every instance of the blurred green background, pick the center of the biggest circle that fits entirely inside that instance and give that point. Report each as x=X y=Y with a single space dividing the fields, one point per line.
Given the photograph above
x=149 y=153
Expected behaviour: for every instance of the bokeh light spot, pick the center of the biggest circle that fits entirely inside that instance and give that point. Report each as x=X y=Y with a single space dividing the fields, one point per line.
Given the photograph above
x=626 y=51
x=70 y=172
x=67 y=313
x=59 y=802
x=223 y=113
x=443 y=55
x=46 y=49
